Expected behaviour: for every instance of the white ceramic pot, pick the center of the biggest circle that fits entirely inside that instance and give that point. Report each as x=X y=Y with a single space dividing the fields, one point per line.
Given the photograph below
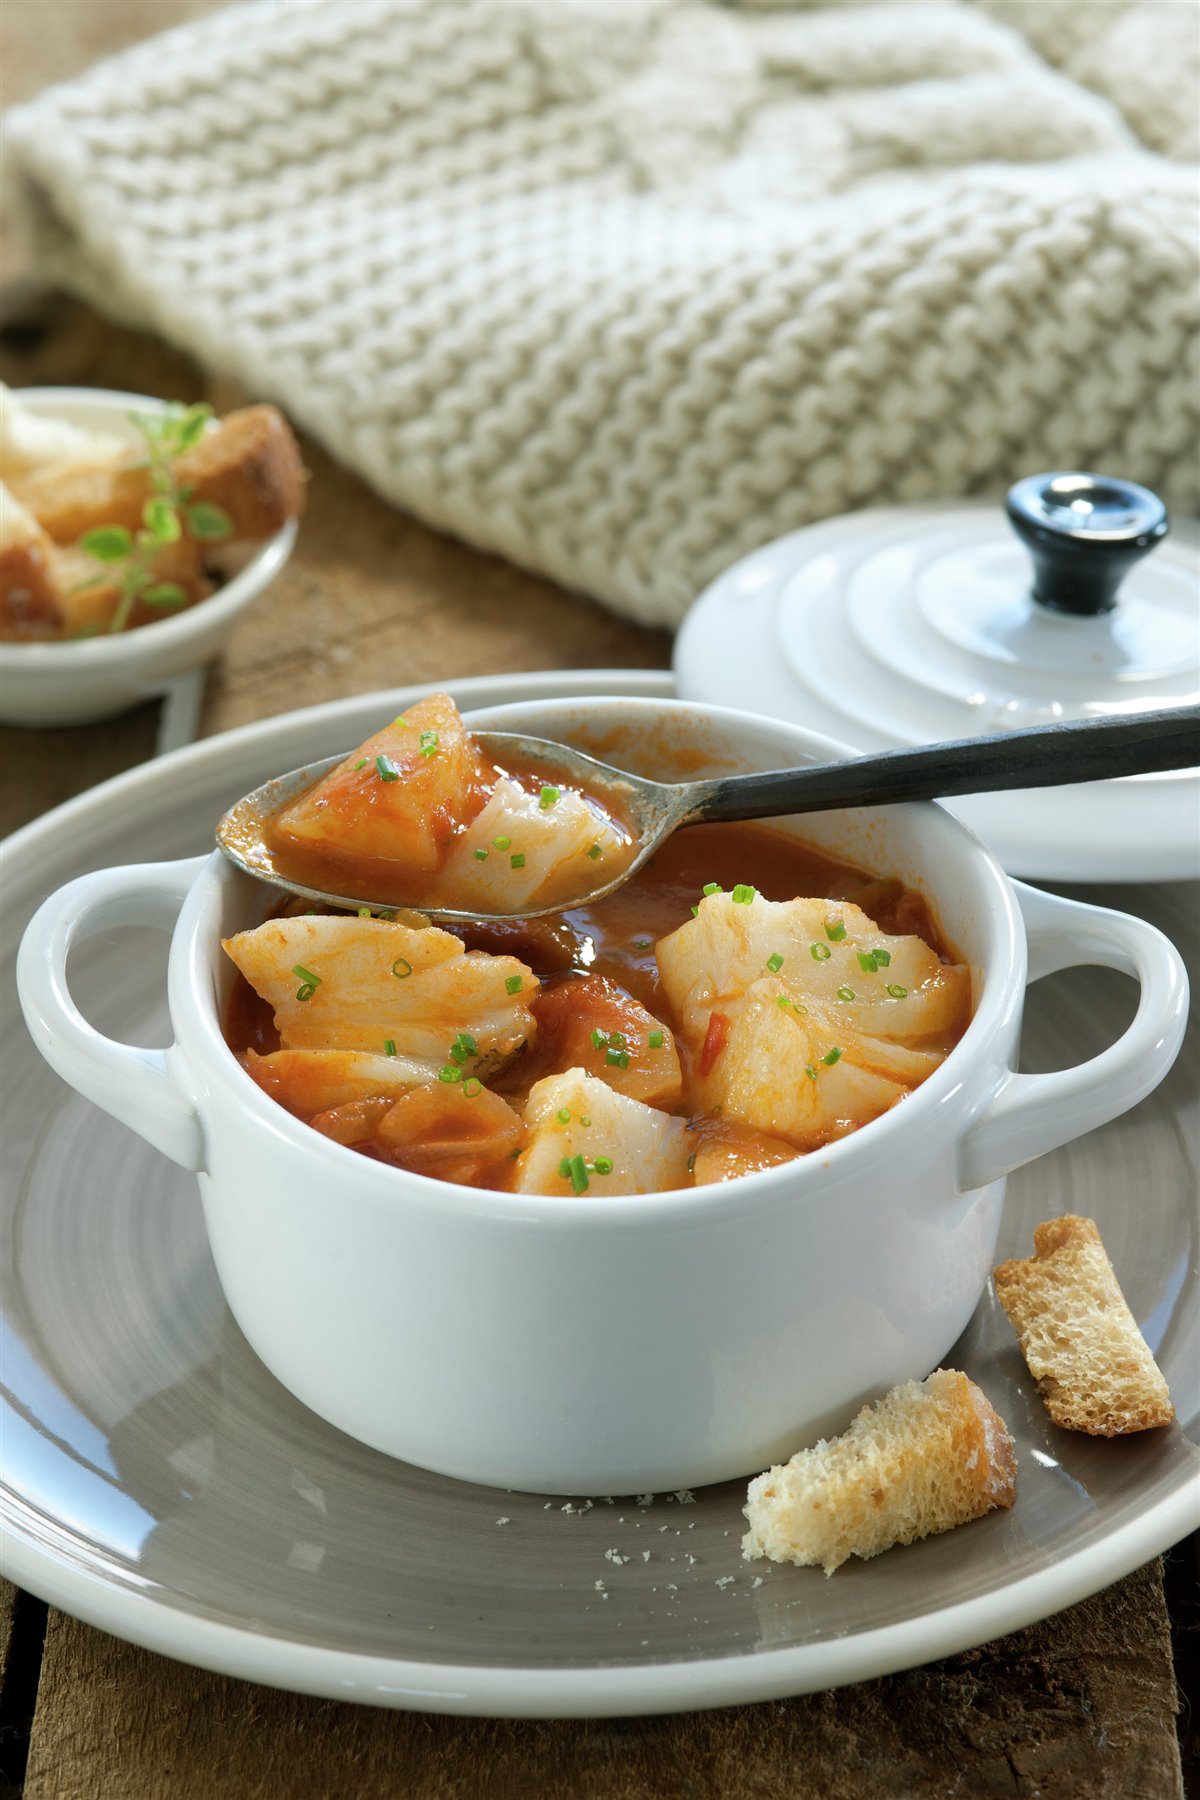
x=80 y=681
x=592 y=1345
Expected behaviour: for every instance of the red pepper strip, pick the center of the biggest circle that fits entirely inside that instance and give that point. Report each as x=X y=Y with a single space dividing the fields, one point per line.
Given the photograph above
x=715 y=1040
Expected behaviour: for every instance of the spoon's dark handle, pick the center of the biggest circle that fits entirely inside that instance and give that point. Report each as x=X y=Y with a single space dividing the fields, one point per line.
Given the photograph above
x=1042 y=756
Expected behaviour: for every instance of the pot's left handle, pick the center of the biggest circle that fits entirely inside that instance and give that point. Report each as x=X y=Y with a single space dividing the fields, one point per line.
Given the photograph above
x=135 y=1085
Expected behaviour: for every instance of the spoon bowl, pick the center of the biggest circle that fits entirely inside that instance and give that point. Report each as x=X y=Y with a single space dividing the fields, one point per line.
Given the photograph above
x=1040 y=756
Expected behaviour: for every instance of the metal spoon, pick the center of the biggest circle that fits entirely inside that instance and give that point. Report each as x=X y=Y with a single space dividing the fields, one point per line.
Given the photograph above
x=1042 y=756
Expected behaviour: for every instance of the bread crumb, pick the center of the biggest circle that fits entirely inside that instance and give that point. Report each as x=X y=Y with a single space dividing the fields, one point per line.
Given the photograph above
x=1094 y=1369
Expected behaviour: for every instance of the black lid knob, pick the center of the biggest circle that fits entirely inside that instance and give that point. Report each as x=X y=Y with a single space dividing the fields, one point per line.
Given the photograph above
x=1084 y=533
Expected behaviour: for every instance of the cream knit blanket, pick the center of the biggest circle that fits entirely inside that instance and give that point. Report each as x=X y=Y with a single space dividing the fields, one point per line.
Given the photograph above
x=623 y=288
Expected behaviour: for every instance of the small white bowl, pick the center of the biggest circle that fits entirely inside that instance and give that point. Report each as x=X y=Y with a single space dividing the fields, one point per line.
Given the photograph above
x=634 y=1342
x=79 y=681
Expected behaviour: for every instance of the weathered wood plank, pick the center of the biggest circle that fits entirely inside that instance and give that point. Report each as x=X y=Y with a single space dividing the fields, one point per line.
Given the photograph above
x=1080 y=1707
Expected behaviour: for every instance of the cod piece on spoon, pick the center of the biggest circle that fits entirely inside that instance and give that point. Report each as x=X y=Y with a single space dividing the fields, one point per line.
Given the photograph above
x=497 y=825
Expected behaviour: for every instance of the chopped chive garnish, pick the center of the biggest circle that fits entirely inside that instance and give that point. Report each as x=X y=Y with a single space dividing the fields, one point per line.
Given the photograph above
x=783 y=1000
x=712 y=887
x=449 y=1073
x=513 y=985
x=691 y=1163
x=387 y=769
x=820 y=952
x=547 y=797
x=603 y=1165
x=617 y=1059
x=401 y=968
x=429 y=743
x=810 y=1071
x=364 y=912
x=501 y=843
x=577 y=1173
x=695 y=912
x=834 y=1055
x=468 y=1043
x=516 y=862
x=867 y=962
x=883 y=958
x=655 y=1040
x=386 y=916
x=835 y=931
x=599 y=1039
x=742 y=894
x=896 y=991
x=481 y=856
x=585 y=1120
x=309 y=983
x=389 y=1046
x=457 y=1054
x=595 y=851
x=472 y=1087
x=845 y=993
x=775 y=963
x=362 y=764
x=617 y=1038
x=564 y=1168
x=563 y=1115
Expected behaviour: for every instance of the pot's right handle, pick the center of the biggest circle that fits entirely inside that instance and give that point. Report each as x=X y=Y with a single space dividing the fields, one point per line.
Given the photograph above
x=135 y=1085
x=1030 y=1114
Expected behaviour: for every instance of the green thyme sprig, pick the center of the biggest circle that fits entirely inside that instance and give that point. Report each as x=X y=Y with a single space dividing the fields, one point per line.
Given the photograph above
x=165 y=514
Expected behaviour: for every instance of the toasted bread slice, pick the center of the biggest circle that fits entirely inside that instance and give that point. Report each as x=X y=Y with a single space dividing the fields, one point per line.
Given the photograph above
x=1093 y=1367
x=249 y=465
x=49 y=592
x=89 y=596
x=930 y=1455
x=30 y=595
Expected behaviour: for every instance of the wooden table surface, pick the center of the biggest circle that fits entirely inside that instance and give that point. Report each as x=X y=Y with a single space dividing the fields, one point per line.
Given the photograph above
x=1083 y=1704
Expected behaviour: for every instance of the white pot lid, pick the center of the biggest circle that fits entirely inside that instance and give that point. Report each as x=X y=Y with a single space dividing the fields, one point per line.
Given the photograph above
x=916 y=624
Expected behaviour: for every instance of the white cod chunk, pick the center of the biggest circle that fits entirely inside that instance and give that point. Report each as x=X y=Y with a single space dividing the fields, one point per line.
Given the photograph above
x=823 y=951
x=307 y=1082
x=577 y=1115
x=802 y=1072
x=567 y=847
x=339 y=983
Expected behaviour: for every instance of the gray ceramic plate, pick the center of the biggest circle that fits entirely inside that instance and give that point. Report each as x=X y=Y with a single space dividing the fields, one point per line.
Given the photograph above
x=158 y=1481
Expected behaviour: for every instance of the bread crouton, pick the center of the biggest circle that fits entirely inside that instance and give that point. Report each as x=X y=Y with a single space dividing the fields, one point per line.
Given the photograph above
x=930 y=1455
x=249 y=465
x=89 y=595
x=48 y=591
x=1093 y=1367
x=30 y=595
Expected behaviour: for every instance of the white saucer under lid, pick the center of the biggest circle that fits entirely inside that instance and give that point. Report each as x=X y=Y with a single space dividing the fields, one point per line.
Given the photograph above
x=908 y=625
